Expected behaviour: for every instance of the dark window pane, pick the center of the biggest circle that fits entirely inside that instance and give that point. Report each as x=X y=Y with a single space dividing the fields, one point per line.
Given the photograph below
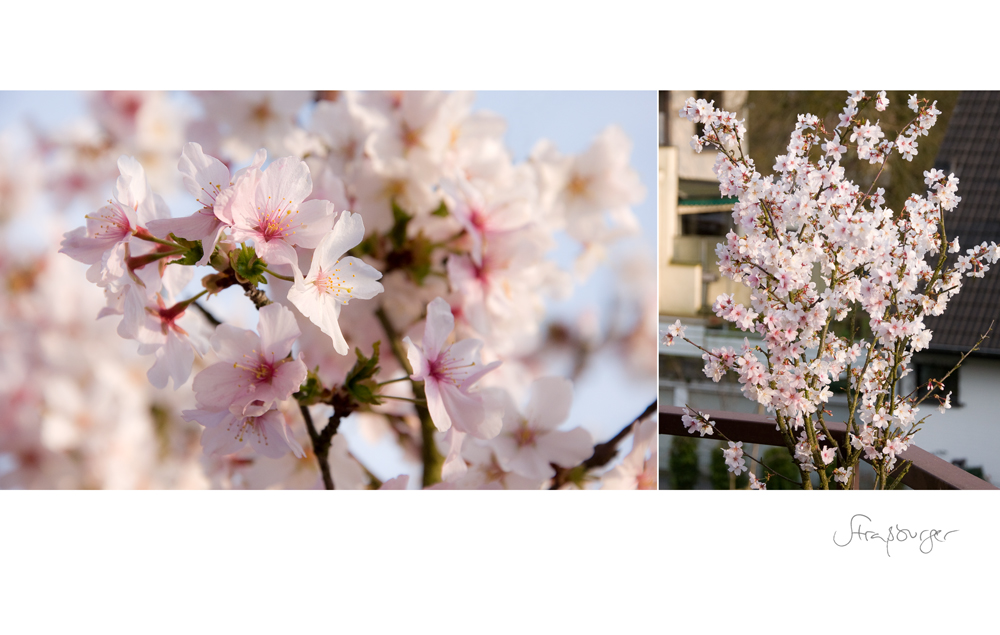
x=710 y=224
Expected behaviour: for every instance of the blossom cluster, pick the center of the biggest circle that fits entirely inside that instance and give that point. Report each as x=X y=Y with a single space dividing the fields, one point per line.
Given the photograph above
x=814 y=247
x=394 y=224
x=697 y=422
x=674 y=332
x=734 y=458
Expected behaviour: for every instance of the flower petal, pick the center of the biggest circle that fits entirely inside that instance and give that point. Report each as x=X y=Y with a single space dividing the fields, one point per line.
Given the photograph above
x=347 y=232
x=278 y=331
x=551 y=400
x=285 y=182
x=310 y=223
x=233 y=344
x=435 y=404
x=360 y=277
x=440 y=324
x=204 y=176
x=566 y=448
x=417 y=359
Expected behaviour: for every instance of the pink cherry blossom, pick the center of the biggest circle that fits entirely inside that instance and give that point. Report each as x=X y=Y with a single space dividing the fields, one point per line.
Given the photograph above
x=828 y=454
x=501 y=298
x=673 y=332
x=843 y=474
x=227 y=433
x=171 y=333
x=600 y=179
x=270 y=208
x=255 y=370
x=104 y=241
x=253 y=118
x=734 y=458
x=208 y=180
x=449 y=372
x=488 y=213
x=530 y=444
x=697 y=422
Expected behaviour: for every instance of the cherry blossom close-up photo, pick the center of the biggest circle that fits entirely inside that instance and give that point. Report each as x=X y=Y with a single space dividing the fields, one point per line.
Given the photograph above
x=340 y=290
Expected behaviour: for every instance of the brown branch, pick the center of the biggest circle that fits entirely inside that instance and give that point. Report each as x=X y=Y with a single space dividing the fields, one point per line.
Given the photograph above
x=603 y=452
x=257 y=296
x=321 y=449
x=208 y=315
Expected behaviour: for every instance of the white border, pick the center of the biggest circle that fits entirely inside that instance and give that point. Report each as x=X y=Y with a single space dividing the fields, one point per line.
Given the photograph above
x=489 y=562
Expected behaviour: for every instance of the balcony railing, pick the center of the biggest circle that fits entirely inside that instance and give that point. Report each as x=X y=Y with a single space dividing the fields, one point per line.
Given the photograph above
x=926 y=472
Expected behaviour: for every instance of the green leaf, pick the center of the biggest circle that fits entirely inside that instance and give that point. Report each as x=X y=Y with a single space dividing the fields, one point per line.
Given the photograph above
x=578 y=476
x=363 y=394
x=365 y=367
x=311 y=391
x=246 y=264
x=359 y=381
x=193 y=254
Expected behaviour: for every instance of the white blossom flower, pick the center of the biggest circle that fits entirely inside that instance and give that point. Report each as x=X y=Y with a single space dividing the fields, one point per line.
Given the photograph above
x=674 y=331
x=256 y=370
x=734 y=458
x=531 y=444
x=843 y=474
x=449 y=373
x=227 y=432
x=270 y=208
x=334 y=280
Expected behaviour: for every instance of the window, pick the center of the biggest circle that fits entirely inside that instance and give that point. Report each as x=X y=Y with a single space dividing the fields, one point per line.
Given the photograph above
x=665 y=112
x=708 y=224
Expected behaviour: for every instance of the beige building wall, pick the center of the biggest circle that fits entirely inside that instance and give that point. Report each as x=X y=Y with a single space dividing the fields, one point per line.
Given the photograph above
x=689 y=278
x=680 y=284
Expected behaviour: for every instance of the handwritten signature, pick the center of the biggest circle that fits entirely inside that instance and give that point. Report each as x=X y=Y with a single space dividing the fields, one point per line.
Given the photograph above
x=926 y=537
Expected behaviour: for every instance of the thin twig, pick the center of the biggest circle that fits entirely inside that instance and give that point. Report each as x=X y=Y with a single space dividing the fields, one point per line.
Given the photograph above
x=208 y=316
x=279 y=276
x=982 y=338
x=759 y=462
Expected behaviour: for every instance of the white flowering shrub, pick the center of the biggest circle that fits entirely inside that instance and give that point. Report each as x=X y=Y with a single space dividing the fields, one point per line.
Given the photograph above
x=815 y=249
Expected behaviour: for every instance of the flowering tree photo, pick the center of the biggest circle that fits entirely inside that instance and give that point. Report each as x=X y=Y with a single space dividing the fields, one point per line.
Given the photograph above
x=348 y=290
x=840 y=285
